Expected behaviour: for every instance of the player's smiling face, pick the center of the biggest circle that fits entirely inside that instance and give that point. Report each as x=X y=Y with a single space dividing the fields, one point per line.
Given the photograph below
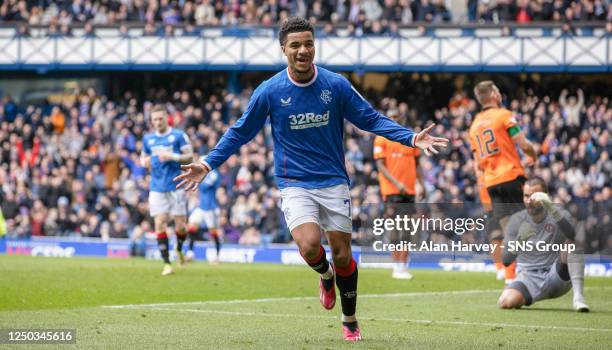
x=300 y=51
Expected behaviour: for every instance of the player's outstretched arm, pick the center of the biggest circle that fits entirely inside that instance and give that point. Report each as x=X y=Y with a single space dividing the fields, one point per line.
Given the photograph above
x=429 y=143
x=252 y=120
x=249 y=124
x=193 y=175
x=359 y=112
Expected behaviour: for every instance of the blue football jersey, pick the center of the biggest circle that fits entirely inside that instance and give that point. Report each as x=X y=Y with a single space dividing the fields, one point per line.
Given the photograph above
x=163 y=173
x=307 y=127
x=208 y=191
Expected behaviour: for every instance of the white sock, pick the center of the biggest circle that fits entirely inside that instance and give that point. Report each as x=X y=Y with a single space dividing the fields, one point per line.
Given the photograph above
x=575 y=265
x=346 y=318
x=329 y=274
x=395 y=268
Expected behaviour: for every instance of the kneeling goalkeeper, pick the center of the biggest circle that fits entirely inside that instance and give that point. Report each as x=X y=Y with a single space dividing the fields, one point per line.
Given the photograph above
x=541 y=274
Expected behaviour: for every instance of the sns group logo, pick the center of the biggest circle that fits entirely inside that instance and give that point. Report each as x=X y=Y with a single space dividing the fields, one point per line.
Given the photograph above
x=326 y=96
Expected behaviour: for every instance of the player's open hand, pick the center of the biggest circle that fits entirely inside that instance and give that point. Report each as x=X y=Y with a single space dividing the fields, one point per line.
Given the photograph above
x=192 y=176
x=428 y=143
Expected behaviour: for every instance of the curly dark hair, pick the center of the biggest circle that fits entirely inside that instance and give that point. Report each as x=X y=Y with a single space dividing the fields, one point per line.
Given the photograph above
x=294 y=25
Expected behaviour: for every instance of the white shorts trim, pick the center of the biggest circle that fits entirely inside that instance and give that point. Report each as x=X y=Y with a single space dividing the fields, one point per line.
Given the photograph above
x=173 y=203
x=329 y=207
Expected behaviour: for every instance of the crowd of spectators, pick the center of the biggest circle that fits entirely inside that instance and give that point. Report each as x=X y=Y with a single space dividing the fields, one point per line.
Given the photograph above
x=366 y=15
x=72 y=169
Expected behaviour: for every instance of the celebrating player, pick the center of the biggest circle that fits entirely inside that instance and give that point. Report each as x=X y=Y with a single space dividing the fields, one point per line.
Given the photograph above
x=493 y=135
x=307 y=106
x=398 y=173
x=207 y=212
x=542 y=273
x=163 y=151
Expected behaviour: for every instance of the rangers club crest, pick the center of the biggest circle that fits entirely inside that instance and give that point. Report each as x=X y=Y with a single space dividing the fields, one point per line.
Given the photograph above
x=326 y=96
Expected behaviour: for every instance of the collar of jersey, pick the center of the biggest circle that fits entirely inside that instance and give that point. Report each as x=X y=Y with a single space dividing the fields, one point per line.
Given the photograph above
x=164 y=134
x=314 y=77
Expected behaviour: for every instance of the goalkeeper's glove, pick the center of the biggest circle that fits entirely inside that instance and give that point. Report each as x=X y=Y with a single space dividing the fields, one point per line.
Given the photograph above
x=544 y=200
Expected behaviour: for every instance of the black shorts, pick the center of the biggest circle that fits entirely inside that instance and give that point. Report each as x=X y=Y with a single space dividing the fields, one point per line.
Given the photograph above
x=507 y=197
x=399 y=204
x=399 y=198
x=492 y=225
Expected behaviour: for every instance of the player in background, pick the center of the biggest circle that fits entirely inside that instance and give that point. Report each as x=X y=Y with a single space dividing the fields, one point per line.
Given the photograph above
x=307 y=106
x=398 y=173
x=494 y=232
x=493 y=136
x=164 y=150
x=542 y=274
x=207 y=213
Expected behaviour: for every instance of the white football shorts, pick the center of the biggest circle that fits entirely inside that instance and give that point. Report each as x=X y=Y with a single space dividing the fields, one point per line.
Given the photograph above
x=173 y=203
x=329 y=207
x=207 y=218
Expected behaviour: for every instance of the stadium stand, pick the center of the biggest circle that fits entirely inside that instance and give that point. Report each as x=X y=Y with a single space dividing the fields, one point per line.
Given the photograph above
x=366 y=15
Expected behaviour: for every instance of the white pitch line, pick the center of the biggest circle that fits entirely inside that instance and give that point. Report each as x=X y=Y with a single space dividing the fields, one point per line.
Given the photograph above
x=241 y=313
x=209 y=302
x=266 y=300
x=366 y=296
x=484 y=324
x=432 y=322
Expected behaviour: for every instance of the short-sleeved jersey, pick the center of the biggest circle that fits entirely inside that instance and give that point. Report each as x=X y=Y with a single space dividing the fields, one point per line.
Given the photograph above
x=401 y=161
x=208 y=190
x=307 y=122
x=521 y=227
x=493 y=146
x=163 y=173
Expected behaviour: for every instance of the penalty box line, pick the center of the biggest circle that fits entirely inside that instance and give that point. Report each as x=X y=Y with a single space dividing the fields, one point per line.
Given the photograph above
x=385 y=319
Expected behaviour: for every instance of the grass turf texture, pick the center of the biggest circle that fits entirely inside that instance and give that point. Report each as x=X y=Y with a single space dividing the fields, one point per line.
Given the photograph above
x=71 y=293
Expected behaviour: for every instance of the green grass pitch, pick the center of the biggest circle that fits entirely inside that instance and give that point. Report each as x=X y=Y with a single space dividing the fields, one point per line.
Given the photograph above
x=206 y=307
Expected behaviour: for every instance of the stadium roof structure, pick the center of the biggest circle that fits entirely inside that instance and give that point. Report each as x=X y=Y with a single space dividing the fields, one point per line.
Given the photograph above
x=436 y=50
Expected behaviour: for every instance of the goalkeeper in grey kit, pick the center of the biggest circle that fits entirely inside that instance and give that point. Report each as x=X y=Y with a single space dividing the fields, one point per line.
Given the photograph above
x=541 y=274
